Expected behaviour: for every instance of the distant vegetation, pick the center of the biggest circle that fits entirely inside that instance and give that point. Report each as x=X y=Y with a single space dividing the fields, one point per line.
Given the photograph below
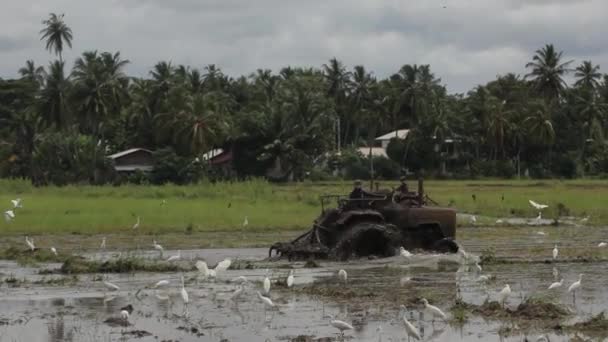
x=58 y=122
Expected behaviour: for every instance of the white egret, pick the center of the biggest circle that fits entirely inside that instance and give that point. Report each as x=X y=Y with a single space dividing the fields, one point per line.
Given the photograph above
x=246 y=222
x=266 y=283
x=343 y=275
x=125 y=312
x=433 y=310
x=404 y=252
x=499 y=221
x=575 y=285
x=175 y=257
x=585 y=219
x=158 y=247
x=185 y=297
x=473 y=219
x=602 y=244
x=504 y=294
x=222 y=266
x=201 y=266
x=538 y=206
x=539 y=217
x=30 y=243
x=103 y=243
x=540 y=233
x=479 y=269
x=237 y=293
x=239 y=279
x=267 y=301
x=410 y=329
x=483 y=278
x=111 y=286
x=340 y=325
x=54 y=251
x=161 y=283
x=555 y=252
x=556 y=284
x=16 y=203
x=404 y=280
x=136 y=225
x=555 y=273
x=9 y=215
x=290 y=279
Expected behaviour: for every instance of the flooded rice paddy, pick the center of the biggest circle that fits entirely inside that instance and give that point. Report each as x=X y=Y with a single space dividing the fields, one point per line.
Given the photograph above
x=53 y=307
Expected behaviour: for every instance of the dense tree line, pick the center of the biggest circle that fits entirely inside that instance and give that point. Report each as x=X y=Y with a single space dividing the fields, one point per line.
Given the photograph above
x=57 y=124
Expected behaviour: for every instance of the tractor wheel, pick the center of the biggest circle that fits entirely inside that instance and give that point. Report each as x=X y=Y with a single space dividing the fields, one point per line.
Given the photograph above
x=445 y=245
x=367 y=239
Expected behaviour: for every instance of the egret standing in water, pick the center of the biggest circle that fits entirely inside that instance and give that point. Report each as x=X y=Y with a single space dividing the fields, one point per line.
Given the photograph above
x=111 y=286
x=237 y=293
x=602 y=244
x=185 y=297
x=266 y=283
x=556 y=284
x=175 y=257
x=30 y=243
x=504 y=294
x=290 y=279
x=410 y=329
x=245 y=222
x=404 y=252
x=54 y=251
x=340 y=325
x=158 y=247
x=136 y=225
x=433 y=310
x=555 y=252
x=575 y=286
x=103 y=243
x=343 y=276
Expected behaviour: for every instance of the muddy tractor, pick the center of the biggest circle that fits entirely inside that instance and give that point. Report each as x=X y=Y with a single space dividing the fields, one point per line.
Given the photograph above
x=374 y=226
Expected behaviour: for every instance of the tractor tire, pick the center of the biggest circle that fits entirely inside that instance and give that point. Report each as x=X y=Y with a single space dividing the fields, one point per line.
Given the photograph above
x=445 y=245
x=365 y=239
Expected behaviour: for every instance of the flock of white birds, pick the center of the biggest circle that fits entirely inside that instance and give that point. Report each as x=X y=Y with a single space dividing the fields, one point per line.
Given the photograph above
x=342 y=276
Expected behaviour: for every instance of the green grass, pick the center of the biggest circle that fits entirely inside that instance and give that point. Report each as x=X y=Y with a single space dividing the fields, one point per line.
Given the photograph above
x=222 y=207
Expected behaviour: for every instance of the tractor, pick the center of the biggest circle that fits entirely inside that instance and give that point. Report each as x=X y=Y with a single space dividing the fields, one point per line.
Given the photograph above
x=375 y=226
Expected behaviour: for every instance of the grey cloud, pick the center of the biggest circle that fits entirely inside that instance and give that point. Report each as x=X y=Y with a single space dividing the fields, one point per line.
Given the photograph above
x=467 y=43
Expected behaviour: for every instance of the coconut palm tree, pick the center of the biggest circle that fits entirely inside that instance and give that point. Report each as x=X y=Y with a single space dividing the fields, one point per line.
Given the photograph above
x=588 y=76
x=548 y=72
x=56 y=33
x=32 y=73
x=54 y=96
x=539 y=124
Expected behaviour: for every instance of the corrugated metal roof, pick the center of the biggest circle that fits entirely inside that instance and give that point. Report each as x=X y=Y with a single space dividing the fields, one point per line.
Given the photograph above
x=134 y=168
x=401 y=134
x=126 y=152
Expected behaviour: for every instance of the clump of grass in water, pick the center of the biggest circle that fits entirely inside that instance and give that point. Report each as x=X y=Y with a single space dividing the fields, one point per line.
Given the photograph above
x=29 y=257
x=122 y=265
x=596 y=325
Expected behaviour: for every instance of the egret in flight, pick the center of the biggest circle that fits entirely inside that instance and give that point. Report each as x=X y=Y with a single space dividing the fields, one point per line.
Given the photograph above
x=16 y=203
x=111 y=286
x=9 y=215
x=160 y=283
x=538 y=206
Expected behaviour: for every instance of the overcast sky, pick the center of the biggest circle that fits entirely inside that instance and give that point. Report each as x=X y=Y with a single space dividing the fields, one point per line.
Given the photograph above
x=467 y=42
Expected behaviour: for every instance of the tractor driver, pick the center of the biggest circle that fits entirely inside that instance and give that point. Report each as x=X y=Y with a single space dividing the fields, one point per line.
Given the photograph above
x=402 y=189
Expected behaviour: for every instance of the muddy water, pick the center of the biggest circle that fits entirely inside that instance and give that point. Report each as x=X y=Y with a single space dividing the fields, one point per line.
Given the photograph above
x=35 y=311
